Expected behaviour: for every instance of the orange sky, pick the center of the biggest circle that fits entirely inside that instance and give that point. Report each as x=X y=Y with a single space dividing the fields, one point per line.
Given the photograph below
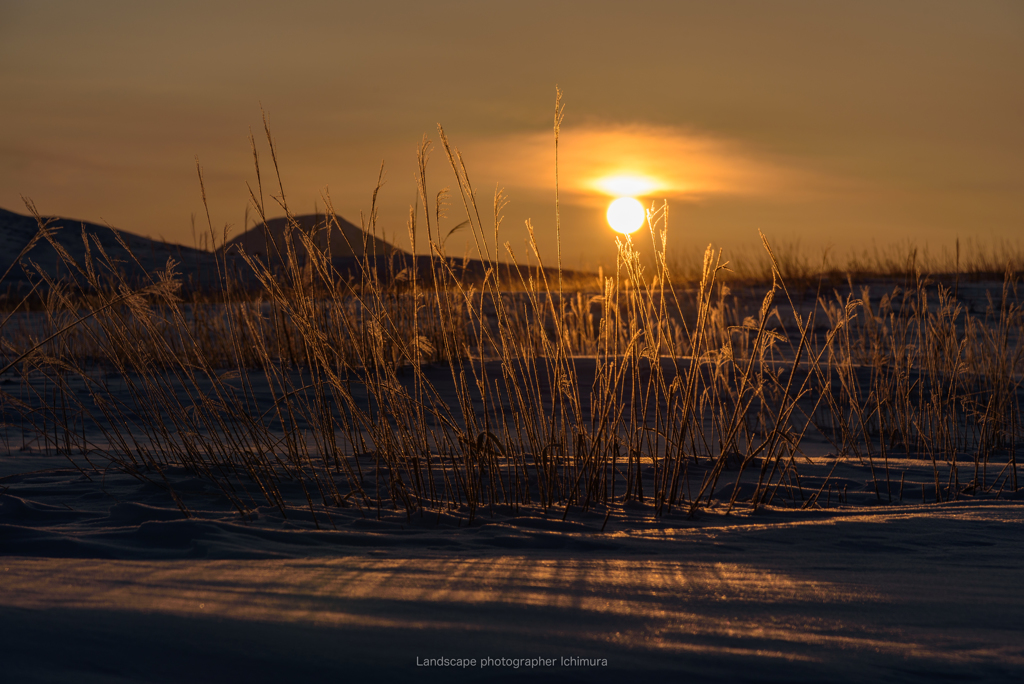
x=837 y=123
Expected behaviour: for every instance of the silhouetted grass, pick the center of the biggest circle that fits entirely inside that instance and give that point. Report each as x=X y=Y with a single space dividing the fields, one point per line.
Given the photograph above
x=424 y=391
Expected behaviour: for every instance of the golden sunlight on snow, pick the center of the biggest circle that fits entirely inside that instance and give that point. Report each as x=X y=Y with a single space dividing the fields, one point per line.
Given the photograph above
x=669 y=602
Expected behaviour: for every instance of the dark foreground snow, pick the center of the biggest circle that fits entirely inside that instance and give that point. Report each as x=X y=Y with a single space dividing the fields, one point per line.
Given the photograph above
x=104 y=580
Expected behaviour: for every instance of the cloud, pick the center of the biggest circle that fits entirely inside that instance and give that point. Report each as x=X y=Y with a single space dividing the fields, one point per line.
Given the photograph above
x=641 y=160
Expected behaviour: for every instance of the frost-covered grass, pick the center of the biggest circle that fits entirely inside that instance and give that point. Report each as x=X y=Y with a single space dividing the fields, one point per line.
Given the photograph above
x=424 y=393
x=652 y=466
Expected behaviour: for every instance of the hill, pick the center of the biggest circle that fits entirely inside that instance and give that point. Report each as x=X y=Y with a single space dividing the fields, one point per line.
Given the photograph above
x=142 y=256
x=341 y=238
x=351 y=250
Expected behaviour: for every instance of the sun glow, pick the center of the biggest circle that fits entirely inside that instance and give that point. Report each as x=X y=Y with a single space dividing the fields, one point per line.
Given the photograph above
x=626 y=215
x=626 y=185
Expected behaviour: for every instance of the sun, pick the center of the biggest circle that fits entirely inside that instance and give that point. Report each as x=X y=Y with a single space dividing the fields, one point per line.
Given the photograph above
x=626 y=215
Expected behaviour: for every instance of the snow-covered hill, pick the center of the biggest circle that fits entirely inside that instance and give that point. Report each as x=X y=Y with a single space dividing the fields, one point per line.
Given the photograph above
x=142 y=256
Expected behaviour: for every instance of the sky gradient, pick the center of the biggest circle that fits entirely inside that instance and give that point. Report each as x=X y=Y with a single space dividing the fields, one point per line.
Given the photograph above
x=840 y=124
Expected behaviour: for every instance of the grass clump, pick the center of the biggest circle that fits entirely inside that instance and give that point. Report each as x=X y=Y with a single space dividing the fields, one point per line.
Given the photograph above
x=422 y=390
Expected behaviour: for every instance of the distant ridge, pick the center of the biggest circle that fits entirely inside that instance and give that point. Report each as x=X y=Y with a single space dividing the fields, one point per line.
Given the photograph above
x=342 y=239
x=351 y=250
x=198 y=267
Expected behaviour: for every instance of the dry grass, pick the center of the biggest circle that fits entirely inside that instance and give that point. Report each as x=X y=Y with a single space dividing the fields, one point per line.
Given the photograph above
x=423 y=392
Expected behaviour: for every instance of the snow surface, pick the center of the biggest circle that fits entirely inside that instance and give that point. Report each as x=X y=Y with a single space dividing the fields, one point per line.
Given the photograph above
x=105 y=580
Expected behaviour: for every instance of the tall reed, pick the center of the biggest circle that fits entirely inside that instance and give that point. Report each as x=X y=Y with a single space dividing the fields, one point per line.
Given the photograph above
x=420 y=390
